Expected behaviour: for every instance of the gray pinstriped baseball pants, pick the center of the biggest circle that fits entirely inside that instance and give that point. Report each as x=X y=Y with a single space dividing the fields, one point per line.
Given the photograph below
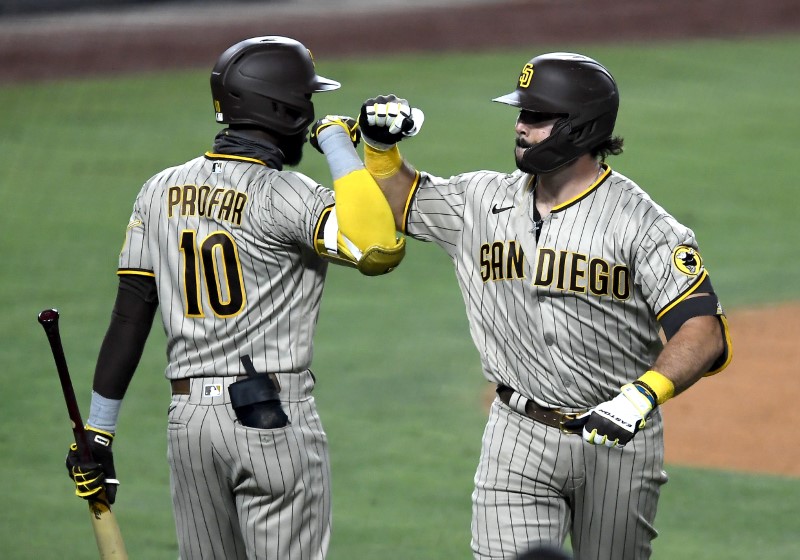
x=242 y=492
x=537 y=485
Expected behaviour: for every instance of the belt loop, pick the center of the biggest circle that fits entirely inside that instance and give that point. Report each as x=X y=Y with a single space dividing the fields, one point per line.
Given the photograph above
x=518 y=403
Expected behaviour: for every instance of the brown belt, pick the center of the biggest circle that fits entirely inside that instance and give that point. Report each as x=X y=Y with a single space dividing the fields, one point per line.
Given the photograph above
x=548 y=416
x=181 y=386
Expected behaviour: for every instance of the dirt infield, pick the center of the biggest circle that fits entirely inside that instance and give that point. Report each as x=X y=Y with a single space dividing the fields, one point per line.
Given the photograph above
x=744 y=418
x=729 y=421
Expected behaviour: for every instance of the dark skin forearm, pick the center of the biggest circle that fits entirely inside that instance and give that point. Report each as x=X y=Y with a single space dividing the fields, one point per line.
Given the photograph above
x=688 y=355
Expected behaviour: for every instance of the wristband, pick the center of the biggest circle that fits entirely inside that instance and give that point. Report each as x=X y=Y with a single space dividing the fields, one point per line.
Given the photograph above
x=338 y=148
x=103 y=413
x=382 y=164
x=661 y=385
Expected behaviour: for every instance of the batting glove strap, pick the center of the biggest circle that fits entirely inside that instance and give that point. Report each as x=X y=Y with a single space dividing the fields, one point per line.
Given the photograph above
x=640 y=397
x=98 y=437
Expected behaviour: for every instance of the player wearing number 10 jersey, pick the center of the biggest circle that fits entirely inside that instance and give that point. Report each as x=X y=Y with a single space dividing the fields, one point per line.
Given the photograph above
x=234 y=250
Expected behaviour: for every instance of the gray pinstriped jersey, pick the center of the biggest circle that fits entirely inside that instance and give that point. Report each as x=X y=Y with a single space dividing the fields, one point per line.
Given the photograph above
x=569 y=319
x=230 y=242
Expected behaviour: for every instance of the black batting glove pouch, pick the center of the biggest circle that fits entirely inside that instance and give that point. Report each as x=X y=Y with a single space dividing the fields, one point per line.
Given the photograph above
x=256 y=403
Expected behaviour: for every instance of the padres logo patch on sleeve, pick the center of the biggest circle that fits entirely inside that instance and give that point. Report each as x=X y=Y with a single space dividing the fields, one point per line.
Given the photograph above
x=687 y=260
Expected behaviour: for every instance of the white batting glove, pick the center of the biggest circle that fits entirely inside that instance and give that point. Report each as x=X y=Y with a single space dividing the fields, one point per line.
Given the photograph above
x=615 y=422
x=387 y=119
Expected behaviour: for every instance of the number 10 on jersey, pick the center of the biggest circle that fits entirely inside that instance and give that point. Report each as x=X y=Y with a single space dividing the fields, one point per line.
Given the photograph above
x=211 y=272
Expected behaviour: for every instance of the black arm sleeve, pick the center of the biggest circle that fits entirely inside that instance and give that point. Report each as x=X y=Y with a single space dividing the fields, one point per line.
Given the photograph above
x=704 y=303
x=131 y=320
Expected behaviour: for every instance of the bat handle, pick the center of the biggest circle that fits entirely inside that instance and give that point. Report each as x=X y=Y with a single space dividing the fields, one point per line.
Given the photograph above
x=49 y=318
x=104 y=523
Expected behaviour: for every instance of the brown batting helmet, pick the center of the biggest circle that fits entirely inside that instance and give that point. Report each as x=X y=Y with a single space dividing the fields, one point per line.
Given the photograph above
x=267 y=82
x=581 y=92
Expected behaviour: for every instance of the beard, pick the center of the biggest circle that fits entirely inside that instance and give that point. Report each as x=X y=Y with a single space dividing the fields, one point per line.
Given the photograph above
x=292 y=148
x=520 y=146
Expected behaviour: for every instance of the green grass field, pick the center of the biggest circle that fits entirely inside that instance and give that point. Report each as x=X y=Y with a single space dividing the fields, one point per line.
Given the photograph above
x=711 y=132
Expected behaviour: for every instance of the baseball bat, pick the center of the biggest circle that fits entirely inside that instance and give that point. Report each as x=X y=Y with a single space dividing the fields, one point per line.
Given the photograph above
x=104 y=523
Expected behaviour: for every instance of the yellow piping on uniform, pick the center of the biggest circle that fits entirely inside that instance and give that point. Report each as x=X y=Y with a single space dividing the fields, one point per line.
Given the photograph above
x=135 y=272
x=319 y=242
x=683 y=296
x=592 y=187
x=411 y=192
x=728 y=342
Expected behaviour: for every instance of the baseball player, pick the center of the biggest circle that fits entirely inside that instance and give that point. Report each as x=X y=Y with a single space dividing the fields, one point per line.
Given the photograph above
x=568 y=271
x=234 y=249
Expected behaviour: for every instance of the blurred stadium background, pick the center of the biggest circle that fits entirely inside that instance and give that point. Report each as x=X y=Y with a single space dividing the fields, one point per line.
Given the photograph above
x=79 y=39
x=50 y=7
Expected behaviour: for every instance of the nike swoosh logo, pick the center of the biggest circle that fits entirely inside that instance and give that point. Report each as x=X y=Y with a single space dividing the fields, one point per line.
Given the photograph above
x=496 y=210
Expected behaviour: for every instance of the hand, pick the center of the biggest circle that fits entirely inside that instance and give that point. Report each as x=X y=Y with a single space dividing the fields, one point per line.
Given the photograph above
x=387 y=119
x=99 y=473
x=349 y=124
x=615 y=422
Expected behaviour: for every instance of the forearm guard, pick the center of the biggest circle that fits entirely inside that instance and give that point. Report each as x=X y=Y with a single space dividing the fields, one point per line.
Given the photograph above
x=360 y=229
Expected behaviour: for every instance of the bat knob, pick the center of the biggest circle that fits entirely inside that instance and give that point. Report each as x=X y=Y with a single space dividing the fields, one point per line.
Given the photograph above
x=48 y=316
